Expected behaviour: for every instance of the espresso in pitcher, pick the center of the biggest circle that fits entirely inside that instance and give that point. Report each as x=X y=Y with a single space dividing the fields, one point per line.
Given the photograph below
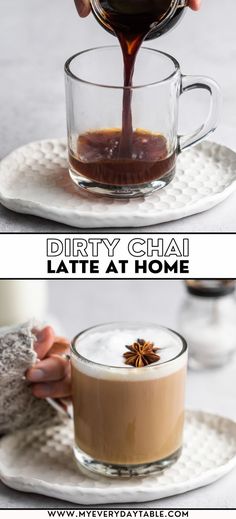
x=132 y=17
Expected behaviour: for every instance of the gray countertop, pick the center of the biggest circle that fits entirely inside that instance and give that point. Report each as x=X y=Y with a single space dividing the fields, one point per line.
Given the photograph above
x=77 y=305
x=36 y=38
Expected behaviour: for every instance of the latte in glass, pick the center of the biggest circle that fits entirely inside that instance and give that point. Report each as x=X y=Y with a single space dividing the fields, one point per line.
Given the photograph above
x=128 y=420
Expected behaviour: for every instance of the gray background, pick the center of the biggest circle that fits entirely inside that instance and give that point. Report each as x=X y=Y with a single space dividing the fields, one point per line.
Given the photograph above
x=36 y=38
x=78 y=304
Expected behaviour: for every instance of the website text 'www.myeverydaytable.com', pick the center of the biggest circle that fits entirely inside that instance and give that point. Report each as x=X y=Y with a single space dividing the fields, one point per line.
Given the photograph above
x=114 y=514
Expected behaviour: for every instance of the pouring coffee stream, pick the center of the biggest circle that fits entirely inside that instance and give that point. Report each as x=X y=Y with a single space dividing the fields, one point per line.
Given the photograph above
x=133 y=21
x=123 y=139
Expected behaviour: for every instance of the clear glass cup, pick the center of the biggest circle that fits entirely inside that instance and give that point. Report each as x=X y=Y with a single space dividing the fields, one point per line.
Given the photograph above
x=128 y=421
x=94 y=100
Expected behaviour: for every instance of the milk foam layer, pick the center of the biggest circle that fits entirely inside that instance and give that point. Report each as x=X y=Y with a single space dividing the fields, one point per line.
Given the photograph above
x=105 y=348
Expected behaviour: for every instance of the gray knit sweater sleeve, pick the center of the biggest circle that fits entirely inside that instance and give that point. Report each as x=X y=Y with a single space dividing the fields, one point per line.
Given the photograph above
x=18 y=407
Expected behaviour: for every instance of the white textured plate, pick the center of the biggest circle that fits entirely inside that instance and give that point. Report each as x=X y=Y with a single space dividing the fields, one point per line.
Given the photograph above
x=41 y=461
x=34 y=180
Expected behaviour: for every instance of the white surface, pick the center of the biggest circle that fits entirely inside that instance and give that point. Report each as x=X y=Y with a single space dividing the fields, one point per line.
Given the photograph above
x=34 y=180
x=38 y=36
x=41 y=460
x=80 y=304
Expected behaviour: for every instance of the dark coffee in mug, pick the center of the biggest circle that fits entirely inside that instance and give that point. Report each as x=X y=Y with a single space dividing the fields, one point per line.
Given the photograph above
x=99 y=158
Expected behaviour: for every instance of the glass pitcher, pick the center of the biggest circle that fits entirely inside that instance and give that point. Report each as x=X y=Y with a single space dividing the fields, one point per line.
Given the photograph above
x=132 y=15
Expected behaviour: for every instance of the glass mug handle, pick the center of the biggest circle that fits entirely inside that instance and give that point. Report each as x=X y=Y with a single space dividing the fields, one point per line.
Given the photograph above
x=203 y=83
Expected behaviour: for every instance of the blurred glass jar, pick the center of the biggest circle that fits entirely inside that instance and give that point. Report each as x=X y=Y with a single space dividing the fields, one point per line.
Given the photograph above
x=207 y=320
x=22 y=300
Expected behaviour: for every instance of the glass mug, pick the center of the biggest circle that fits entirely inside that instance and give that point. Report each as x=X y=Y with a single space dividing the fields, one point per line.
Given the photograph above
x=94 y=100
x=128 y=420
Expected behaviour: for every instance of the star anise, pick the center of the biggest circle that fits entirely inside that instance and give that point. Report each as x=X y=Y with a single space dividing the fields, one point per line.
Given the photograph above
x=141 y=353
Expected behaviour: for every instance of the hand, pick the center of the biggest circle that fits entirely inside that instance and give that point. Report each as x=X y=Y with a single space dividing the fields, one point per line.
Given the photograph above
x=194 y=4
x=51 y=375
x=83 y=6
